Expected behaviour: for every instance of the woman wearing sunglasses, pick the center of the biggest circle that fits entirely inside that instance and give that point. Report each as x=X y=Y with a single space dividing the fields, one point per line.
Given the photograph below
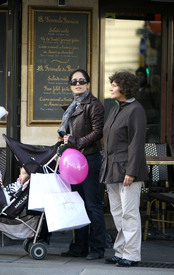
x=82 y=129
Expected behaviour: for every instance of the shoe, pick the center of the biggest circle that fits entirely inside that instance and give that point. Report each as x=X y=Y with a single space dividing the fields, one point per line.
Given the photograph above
x=113 y=260
x=126 y=263
x=94 y=256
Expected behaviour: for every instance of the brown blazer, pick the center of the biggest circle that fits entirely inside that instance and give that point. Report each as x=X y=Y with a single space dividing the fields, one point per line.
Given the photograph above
x=124 y=140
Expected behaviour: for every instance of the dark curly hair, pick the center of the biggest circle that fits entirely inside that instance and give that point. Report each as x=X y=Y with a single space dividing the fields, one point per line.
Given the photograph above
x=127 y=82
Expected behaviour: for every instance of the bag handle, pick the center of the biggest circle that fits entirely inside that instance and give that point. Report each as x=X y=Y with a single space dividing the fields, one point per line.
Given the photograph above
x=46 y=165
x=63 y=184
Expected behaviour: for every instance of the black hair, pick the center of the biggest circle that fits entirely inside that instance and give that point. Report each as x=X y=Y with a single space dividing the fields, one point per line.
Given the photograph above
x=84 y=73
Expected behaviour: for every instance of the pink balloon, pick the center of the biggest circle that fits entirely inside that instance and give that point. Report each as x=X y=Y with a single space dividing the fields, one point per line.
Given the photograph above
x=73 y=166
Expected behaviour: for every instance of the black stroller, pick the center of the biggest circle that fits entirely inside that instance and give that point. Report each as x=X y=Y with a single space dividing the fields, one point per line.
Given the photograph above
x=16 y=221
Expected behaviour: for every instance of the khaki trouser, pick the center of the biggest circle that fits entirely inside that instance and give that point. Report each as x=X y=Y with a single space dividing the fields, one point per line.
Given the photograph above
x=124 y=207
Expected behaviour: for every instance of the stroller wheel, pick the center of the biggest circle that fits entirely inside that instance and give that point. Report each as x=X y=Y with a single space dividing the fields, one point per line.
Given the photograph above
x=37 y=251
x=26 y=244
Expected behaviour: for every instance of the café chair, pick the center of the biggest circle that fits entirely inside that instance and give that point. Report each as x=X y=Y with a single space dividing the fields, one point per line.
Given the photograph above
x=3 y=170
x=158 y=174
x=171 y=150
x=164 y=199
x=158 y=182
x=3 y=161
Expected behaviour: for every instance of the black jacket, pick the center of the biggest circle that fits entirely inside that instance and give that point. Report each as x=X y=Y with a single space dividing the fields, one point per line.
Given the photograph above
x=87 y=126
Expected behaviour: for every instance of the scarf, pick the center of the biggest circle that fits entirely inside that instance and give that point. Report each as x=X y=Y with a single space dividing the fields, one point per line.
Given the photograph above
x=69 y=111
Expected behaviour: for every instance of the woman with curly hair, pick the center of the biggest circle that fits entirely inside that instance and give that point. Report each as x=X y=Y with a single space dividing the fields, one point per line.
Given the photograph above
x=124 y=166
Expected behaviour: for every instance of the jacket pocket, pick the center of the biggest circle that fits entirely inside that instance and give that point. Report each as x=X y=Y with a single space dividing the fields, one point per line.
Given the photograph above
x=119 y=170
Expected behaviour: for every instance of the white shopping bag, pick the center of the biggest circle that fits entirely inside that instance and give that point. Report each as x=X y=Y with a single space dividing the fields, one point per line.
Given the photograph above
x=41 y=184
x=65 y=211
x=3 y=111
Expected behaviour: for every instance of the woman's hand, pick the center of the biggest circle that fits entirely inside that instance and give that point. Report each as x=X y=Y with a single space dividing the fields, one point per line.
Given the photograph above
x=6 y=113
x=65 y=139
x=59 y=138
x=128 y=180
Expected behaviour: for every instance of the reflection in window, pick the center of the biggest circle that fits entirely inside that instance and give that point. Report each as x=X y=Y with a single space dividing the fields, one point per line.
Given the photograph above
x=135 y=45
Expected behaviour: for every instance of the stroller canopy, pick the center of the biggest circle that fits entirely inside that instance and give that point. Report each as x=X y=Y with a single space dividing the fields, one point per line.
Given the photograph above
x=29 y=156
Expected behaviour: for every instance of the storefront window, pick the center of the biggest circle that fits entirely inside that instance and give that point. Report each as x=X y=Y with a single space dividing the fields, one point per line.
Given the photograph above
x=133 y=43
x=173 y=93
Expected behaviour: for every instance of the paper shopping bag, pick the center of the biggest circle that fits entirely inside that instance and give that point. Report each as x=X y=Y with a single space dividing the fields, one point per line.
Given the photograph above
x=65 y=211
x=3 y=111
x=41 y=184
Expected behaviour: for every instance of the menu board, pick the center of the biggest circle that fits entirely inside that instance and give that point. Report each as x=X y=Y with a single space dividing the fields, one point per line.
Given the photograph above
x=59 y=43
x=3 y=57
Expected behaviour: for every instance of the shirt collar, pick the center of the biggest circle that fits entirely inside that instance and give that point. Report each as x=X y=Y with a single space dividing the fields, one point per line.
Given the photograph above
x=130 y=100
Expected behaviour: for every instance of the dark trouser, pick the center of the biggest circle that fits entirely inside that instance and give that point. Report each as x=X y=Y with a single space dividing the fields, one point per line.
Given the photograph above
x=91 y=237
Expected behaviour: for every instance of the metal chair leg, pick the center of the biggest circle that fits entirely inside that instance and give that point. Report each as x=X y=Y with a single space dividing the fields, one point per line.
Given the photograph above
x=158 y=213
x=148 y=211
x=163 y=207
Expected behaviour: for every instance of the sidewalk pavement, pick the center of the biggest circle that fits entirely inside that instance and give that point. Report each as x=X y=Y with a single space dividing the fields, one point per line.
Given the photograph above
x=157 y=258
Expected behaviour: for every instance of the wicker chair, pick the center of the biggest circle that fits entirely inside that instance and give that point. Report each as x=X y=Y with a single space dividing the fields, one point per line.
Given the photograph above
x=158 y=186
x=171 y=149
x=158 y=173
x=3 y=171
x=3 y=162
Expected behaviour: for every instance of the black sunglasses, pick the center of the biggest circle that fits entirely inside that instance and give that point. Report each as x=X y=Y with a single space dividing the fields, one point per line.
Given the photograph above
x=82 y=81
